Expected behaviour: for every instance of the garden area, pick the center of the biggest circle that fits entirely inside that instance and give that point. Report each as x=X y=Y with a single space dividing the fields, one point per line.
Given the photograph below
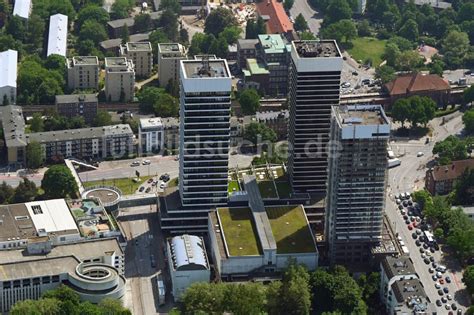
x=365 y=49
x=127 y=185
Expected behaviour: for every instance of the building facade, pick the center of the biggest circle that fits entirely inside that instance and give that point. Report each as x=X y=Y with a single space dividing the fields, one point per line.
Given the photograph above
x=8 y=68
x=277 y=121
x=357 y=182
x=57 y=38
x=246 y=49
x=169 y=56
x=151 y=135
x=171 y=133
x=142 y=56
x=314 y=81
x=84 y=105
x=439 y=180
x=119 y=79
x=83 y=72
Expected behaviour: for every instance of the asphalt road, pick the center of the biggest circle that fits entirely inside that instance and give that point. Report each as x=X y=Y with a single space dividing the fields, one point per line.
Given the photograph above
x=409 y=177
x=313 y=17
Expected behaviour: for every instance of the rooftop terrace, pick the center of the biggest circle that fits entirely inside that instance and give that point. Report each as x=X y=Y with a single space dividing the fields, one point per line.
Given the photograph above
x=202 y=69
x=362 y=115
x=316 y=49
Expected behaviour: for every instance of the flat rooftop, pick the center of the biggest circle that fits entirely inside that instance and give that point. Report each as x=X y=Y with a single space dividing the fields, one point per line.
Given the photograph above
x=239 y=231
x=51 y=216
x=155 y=122
x=116 y=62
x=83 y=133
x=8 y=68
x=13 y=125
x=362 y=115
x=37 y=268
x=272 y=43
x=214 y=68
x=82 y=250
x=139 y=46
x=406 y=290
x=398 y=266
x=15 y=223
x=291 y=230
x=316 y=48
x=85 y=60
x=170 y=47
x=76 y=98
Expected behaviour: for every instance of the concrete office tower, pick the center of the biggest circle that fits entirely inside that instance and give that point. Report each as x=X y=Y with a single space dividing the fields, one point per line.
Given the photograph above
x=83 y=72
x=204 y=137
x=8 y=74
x=315 y=74
x=169 y=56
x=141 y=55
x=119 y=79
x=357 y=181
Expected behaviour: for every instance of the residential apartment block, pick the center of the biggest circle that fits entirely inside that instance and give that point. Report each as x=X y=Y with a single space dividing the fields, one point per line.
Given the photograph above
x=171 y=133
x=22 y=8
x=246 y=49
x=57 y=38
x=142 y=56
x=169 y=56
x=119 y=79
x=151 y=135
x=357 y=182
x=83 y=72
x=439 y=180
x=314 y=83
x=73 y=105
x=8 y=70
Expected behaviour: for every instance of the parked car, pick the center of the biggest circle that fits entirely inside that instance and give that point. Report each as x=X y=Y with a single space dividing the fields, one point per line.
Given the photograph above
x=135 y=163
x=448 y=279
x=440 y=292
x=146 y=162
x=150 y=180
x=148 y=190
x=162 y=186
x=438 y=303
x=141 y=189
x=446 y=290
x=420 y=154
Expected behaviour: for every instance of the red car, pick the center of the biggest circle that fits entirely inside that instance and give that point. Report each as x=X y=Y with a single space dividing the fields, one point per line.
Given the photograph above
x=410 y=227
x=150 y=180
x=415 y=224
x=441 y=281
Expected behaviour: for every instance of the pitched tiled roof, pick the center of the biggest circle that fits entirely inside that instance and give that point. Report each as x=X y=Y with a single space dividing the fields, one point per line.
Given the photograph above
x=452 y=171
x=415 y=83
x=279 y=22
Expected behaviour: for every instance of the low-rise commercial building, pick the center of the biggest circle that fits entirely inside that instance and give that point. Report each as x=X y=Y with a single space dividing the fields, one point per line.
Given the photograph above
x=22 y=8
x=83 y=72
x=119 y=79
x=8 y=70
x=84 y=105
x=273 y=236
x=57 y=38
x=29 y=274
x=142 y=56
x=151 y=135
x=439 y=180
x=188 y=262
x=169 y=55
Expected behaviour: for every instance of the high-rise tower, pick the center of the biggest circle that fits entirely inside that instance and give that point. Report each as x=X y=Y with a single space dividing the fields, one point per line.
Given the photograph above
x=315 y=74
x=357 y=181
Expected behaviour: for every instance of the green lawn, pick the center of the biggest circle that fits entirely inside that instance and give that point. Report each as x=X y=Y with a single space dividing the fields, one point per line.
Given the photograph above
x=126 y=185
x=267 y=189
x=368 y=47
x=239 y=231
x=284 y=189
x=290 y=230
x=173 y=182
x=78 y=213
x=233 y=184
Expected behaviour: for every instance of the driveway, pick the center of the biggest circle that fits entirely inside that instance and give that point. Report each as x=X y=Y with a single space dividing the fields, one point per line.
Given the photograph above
x=311 y=16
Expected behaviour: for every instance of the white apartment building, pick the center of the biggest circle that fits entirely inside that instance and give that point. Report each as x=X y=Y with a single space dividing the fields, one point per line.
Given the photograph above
x=119 y=79
x=357 y=181
x=57 y=38
x=314 y=83
x=8 y=70
x=22 y=8
x=141 y=55
x=151 y=135
x=83 y=72
x=169 y=56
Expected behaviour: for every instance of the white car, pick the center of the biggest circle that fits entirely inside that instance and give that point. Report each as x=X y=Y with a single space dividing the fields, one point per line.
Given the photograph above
x=420 y=154
x=135 y=163
x=346 y=85
x=146 y=162
x=162 y=186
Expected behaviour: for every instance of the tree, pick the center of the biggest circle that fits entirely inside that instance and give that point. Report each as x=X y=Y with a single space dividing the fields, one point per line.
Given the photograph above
x=468 y=278
x=218 y=20
x=113 y=307
x=183 y=36
x=91 y=12
x=401 y=111
x=47 y=90
x=102 y=118
x=36 y=123
x=363 y=28
x=307 y=36
x=464 y=188
x=34 y=155
x=391 y=54
x=254 y=28
x=219 y=48
x=343 y=30
x=288 y=4
x=409 y=30
x=203 y=298
x=39 y=307
x=92 y=30
x=125 y=36
x=169 y=22
x=294 y=294
x=455 y=46
x=143 y=22
x=422 y=110
x=338 y=10
x=468 y=95
x=61 y=6
x=468 y=120
x=58 y=182
x=249 y=101
x=259 y=132
x=231 y=34
x=408 y=61
x=437 y=67
x=120 y=8
x=147 y=97
x=25 y=192
x=166 y=106
x=6 y=193
x=385 y=73
x=450 y=149
x=172 y=5
x=300 y=23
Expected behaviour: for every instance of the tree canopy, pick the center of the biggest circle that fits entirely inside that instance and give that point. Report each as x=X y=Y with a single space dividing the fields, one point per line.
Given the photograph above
x=58 y=182
x=415 y=109
x=157 y=101
x=218 y=20
x=300 y=23
x=468 y=278
x=468 y=120
x=34 y=155
x=258 y=133
x=451 y=149
x=249 y=101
